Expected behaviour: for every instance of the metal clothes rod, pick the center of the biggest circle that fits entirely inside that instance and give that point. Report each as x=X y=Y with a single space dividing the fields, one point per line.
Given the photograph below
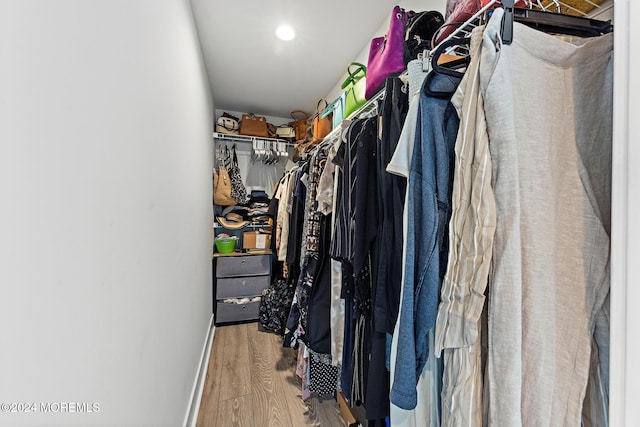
x=247 y=138
x=465 y=28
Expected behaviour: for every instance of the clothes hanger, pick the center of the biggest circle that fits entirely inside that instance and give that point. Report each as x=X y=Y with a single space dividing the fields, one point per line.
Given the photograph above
x=551 y=22
x=449 y=68
x=275 y=156
x=507 y=22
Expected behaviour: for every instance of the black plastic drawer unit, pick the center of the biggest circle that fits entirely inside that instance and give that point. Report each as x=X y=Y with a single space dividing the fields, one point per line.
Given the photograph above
x=238 y=284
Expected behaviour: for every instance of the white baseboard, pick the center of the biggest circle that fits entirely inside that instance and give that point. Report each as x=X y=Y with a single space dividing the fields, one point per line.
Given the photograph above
x=191 y=417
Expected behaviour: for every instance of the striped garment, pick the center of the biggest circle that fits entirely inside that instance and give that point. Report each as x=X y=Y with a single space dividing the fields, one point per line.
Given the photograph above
x=471 y=230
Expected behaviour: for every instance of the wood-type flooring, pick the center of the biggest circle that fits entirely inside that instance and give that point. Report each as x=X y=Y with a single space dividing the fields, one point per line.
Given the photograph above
x=251 y=382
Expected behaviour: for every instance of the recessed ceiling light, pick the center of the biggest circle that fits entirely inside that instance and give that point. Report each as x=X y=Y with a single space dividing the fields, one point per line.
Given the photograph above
x=285 y=32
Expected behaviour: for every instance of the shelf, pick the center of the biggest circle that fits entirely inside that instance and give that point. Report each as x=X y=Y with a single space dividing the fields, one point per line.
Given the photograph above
x=247 y=225
x=248 y=139
x=370 y=107
x=246 y=253
x=366 y=110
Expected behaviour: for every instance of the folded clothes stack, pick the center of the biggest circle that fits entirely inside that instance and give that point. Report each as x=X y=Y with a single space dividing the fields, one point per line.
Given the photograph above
x=256 y=211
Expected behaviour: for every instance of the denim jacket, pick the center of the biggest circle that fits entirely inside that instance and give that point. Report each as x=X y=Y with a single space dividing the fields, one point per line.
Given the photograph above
x=429 y=211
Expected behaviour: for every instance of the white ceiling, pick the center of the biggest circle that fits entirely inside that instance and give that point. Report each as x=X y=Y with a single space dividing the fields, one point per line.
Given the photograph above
x=250 y=70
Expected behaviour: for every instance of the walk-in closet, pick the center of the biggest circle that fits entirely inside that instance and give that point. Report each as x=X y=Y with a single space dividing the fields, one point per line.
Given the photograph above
x=403 y=214
x=441 y=249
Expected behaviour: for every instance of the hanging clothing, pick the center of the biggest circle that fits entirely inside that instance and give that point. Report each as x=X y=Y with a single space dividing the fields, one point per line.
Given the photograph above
x=365 y=221
x=427 y=410
x=303 y=370
x=283 y=217
x=323 y=375
x=325 y=196
x=275 y=304
x=349 y=332
x=293 y=254
x=337 y=303
x=473 y=222
x=311 y=224
x=429 y=211
x=391 y=195
x=365 y=195
x=309 y=255
x=296 y=218
x=318 y=326
x=342 y=246
x=387 y=248
x=342 y=239
x=551 y=178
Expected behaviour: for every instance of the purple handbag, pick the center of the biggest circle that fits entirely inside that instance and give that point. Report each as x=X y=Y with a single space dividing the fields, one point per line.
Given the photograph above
x=386 y=54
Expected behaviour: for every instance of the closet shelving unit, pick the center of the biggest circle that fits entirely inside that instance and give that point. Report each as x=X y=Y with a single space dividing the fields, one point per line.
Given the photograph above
x=241 y=277
x=223 y=137
x=276 y=143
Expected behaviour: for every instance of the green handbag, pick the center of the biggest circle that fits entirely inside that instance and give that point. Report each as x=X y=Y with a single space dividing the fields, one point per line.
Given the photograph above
x=355 y=87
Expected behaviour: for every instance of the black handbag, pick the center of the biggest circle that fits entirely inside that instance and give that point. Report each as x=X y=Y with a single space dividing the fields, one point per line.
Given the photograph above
x=419 y=31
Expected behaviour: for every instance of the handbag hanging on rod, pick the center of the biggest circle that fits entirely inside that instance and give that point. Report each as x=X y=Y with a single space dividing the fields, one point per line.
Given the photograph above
x=386 y=54
x=222 y=185
x=238 y=190
x=354 y=86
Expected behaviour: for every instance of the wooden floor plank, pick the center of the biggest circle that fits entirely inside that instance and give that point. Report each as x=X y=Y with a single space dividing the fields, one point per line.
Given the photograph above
x=211 y=392
x=267 y=389
x=251 y=381
x=235 y=380
x=285 y=369
x=236 y=412
x=325 y=410
x=313 y=411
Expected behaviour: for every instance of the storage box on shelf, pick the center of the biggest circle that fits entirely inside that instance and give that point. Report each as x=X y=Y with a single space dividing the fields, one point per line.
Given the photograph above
x=256 y=240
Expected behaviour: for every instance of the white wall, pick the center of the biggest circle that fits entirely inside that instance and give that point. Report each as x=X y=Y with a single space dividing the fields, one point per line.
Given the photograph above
x=105 y=218
x=625 y=242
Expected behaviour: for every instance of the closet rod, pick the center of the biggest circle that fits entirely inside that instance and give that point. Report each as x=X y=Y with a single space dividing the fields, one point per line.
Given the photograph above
x=369 y=107
x=247 y=138
x=465 y=28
